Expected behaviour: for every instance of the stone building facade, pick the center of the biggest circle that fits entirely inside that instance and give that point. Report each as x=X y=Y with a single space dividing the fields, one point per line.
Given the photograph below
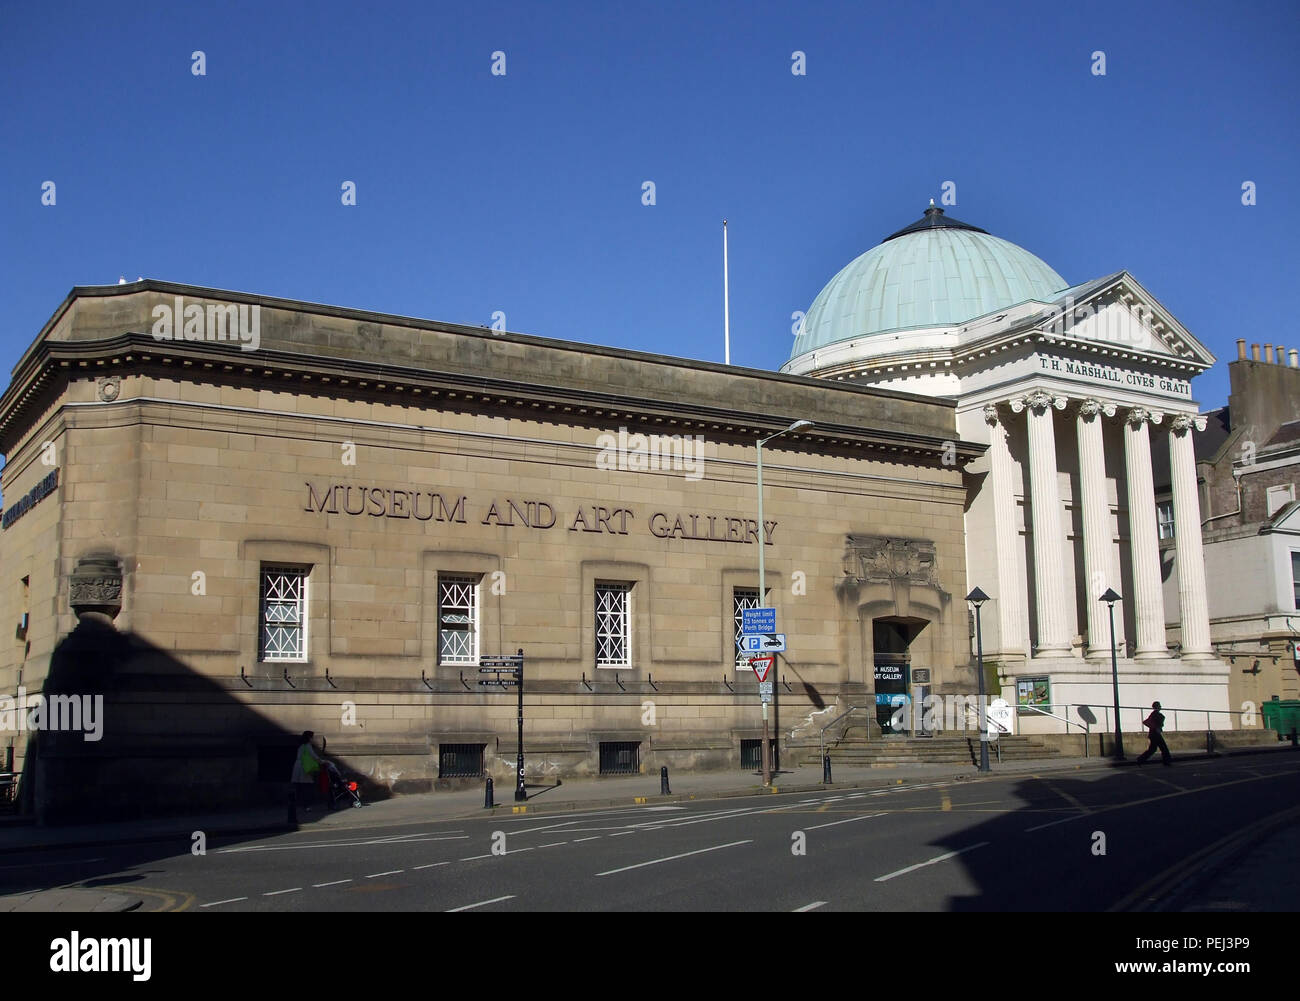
x=1077 y=390
x=268 y=516
x=1248 y=466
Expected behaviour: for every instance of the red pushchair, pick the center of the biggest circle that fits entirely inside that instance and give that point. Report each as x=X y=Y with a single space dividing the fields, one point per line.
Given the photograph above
x=339 y=791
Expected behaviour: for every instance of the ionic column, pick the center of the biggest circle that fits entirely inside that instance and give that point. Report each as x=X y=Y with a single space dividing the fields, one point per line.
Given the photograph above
x=1148 y=598
x=1094 y=509
x=1187 y=536
x=1011 y=584
x=1049 y=538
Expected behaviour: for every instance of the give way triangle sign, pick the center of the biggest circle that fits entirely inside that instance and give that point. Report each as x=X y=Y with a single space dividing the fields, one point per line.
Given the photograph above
x=761 y=666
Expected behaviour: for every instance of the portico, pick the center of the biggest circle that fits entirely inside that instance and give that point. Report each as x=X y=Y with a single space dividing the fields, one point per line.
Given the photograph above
x=1073 y=388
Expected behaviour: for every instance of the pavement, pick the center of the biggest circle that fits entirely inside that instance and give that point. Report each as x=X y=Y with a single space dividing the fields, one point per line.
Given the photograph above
x=18 y=836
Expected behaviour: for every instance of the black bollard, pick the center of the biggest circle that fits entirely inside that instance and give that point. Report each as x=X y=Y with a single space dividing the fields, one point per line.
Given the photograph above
x=487 y=794
x=663 y=782
x=293 y=808
x=826 y=768
x=1209 y=741
x=1293 y=737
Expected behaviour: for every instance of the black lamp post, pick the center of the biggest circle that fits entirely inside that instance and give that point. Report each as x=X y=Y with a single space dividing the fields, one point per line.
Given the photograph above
x=1110 y=597
x=977 y=598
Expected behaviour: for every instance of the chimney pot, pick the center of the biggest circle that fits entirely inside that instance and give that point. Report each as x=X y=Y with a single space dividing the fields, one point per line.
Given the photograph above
x=1254 y=352
x=1295 y=358
x=1241 y=349
x=1268 y=353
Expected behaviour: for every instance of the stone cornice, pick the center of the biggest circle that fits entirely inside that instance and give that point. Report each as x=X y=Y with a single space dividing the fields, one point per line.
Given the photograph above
x=51 y=361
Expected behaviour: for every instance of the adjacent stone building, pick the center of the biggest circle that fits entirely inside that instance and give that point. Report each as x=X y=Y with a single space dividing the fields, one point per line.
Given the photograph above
x=1248 y=465
x=235 y=517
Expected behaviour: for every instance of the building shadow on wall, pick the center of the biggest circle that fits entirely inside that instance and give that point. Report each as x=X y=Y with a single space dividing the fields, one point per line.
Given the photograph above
x=153 y=738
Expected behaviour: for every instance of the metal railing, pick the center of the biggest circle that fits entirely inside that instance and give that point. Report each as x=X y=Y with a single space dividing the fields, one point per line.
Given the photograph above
x=850 y=709
x=1223 y=716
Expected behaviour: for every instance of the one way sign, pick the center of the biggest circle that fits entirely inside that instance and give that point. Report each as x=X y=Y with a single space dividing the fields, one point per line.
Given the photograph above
x=762 y=642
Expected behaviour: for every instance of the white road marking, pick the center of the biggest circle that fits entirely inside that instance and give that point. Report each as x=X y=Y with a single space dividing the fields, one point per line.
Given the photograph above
x=646 y=809
x=276 y=893
x=334 y=844
x=482 y=903
x=594 y=837
x=621 y=834
x=337 y=882
x=431 y=865
x=390 y=872
x=474 y=857
x=518 y=851
x=655 y=825
x=851 y=820
x=553 y=844
x=671 y=858
x=934 y=861
x=1040 y=827
x=218 y=903
x=809 y=907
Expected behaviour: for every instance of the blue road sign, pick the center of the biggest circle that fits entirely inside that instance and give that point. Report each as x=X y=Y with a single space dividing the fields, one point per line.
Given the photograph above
x=758 y=620
x=762 y=643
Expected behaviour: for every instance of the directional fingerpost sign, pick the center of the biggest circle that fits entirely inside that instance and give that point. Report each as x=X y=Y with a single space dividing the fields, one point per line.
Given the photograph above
x=762 y=642
x=761 y=666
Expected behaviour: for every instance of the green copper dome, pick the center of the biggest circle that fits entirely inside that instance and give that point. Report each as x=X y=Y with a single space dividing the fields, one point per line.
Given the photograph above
x=937 y=272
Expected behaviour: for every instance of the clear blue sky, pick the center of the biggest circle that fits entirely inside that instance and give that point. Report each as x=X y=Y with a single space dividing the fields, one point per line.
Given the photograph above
x=522 y=193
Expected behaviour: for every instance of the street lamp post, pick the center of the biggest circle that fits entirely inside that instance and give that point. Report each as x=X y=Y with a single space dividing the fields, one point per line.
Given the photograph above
x=762 y=578
x=1110 y=597
x=977 y=598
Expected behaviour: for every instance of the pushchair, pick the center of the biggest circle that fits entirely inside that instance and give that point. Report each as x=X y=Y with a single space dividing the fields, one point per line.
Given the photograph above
x=341 y=792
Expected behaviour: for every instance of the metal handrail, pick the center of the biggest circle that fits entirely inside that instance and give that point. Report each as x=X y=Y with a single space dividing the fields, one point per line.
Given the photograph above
x=850 y=709
x=1084 y=726
x=1106 y=709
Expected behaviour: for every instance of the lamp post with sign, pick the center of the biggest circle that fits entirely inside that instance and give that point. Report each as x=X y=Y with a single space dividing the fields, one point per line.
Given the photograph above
x=513 y=668
x=977 y=598
x=1110 y=597
x=762 y=580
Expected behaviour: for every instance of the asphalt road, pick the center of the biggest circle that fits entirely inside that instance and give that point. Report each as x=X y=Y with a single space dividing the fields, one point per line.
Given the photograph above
x=1022 y=843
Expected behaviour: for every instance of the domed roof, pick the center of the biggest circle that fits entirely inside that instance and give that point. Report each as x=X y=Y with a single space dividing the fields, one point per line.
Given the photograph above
x=937 y=272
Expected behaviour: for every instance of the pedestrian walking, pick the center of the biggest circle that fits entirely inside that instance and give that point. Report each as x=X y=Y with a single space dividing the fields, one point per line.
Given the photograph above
x=1155 y=723
x=306 y=768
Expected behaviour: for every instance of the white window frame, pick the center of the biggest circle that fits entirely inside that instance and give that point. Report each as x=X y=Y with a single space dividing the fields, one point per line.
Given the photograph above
x=1295 y=578
x=468 y=610
x=1165 y=526
x=620 y=619
x=301 y=602
x=739 y=595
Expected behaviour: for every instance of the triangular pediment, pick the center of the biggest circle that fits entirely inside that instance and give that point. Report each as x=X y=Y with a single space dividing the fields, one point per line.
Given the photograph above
x=1116 y=313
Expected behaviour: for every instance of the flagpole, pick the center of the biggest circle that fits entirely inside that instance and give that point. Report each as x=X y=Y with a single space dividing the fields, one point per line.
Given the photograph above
x=726 y=298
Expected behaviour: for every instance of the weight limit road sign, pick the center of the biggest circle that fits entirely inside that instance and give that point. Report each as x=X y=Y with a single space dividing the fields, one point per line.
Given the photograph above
x=758 y=620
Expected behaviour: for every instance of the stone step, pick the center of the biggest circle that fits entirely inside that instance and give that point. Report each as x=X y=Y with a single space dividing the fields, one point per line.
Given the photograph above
x=891 y=751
